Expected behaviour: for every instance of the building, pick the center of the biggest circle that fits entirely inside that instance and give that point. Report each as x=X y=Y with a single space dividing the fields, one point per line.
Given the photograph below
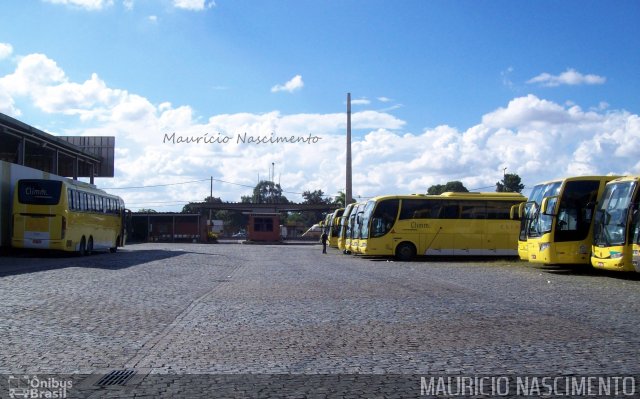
x=168 y=227
x=29 y=153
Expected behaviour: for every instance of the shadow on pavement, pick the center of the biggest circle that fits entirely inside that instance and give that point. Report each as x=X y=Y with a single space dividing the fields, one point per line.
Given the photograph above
x=20 y=262
x=586 y=270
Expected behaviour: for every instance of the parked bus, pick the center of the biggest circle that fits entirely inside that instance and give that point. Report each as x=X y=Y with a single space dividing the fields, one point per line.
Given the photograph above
x=343 y=227
x=560 y=231
x=616 y=227
x=334 y=228
x=526 y=210
x=353 y=229
x=67 y=215
x=446 y=224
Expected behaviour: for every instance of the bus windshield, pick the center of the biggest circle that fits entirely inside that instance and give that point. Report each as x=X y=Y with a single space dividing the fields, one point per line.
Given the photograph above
x=379 y=221
x=612 y=214
x=529 y=210
x=538 y=224
x=39 y=192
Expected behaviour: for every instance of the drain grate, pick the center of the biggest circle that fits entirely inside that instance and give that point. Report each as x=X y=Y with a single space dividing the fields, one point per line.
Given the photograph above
x=116 y=377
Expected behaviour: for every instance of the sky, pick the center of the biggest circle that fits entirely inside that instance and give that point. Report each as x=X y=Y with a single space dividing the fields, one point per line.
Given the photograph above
x=195 y=90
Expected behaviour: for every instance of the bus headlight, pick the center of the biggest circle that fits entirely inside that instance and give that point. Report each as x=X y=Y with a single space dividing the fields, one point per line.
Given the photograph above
x=544 y=246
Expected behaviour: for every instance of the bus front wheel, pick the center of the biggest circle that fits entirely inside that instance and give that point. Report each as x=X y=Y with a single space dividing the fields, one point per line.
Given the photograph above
x=405 y=251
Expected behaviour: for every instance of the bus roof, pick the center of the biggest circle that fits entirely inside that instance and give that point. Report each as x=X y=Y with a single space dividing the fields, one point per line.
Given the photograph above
x=460 y=196
x=625 y=179
x=578 y=178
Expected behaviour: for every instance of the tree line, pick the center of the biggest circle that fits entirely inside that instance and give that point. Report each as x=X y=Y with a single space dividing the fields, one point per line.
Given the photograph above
x=266 y=192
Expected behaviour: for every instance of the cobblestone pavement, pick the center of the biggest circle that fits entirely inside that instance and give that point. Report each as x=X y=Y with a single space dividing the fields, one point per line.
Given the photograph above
x=196 y=320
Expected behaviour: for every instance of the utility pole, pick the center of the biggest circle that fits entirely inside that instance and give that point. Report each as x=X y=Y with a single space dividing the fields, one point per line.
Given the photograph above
x=210 y=224
x=348 y=196
x=504 y=179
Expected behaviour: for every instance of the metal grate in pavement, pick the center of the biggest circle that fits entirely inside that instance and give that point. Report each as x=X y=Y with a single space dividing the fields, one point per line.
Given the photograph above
x=116 y=377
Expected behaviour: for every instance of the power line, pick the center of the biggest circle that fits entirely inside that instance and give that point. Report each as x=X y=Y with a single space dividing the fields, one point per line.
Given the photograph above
x=155 y=185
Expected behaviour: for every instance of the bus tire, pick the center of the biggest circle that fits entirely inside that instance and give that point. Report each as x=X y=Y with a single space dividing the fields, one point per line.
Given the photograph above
x=82 y=250
x=90 y=246
x=115 y=246
x=405 y=251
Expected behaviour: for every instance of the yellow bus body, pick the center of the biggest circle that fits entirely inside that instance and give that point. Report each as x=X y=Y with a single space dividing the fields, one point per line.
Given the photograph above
x=46 y=217
x=343 y=228
x=353 y=238
x=334 y=227
x=446 y=224
x=615 y=244
x=564 y=234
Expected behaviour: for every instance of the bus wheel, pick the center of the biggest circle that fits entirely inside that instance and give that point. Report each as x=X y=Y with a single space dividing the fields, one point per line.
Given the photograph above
x=82 y=251
x=405 y=251
x=90 y=246
x=115 y=246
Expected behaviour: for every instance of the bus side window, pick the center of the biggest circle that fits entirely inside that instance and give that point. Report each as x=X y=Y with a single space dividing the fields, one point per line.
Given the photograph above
x=449 y=210
x=70 y=198
x=83 y=201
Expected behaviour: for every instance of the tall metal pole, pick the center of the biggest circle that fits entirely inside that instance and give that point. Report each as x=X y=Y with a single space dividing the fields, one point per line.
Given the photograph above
x=348 y=196
x=210 y=224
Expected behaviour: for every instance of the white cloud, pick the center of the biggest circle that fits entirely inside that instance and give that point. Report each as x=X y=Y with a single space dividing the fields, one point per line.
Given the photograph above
x=153 y=18
x=128 y=4
x=5 y=50
x=193 y=5
x=360 y=101
x=86 y=4
x=569 y=77
x=384 y=99
x=292 y=85
x=533 y=137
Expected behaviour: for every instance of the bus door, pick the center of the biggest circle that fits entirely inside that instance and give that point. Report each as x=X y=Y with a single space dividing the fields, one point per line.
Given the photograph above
x=441 y=240
x=572 y=230
x=469 y=239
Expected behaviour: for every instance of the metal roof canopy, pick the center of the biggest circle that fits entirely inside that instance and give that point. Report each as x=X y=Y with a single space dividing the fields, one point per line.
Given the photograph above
x=264 y=208
x=69 y=156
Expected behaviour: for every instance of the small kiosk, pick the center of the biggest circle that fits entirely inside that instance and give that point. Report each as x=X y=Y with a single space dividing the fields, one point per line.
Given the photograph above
x=263 y=227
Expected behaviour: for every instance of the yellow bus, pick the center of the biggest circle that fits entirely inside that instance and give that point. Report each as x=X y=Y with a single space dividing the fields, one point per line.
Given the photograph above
x=616 y=228
x=334 y=227
x=560 y=230
x=66 y=215
x=353 y=229
x=343 y=227
x=446 y=224
x=525 y=212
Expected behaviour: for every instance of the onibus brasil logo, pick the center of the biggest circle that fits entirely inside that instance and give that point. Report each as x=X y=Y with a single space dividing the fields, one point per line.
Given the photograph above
x=26 y=386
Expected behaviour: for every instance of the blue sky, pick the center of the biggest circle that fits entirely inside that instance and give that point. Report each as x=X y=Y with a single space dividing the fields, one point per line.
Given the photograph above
x=442 y=90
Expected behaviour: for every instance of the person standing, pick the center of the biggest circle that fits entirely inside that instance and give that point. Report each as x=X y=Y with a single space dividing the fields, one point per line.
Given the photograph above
x=324 y=239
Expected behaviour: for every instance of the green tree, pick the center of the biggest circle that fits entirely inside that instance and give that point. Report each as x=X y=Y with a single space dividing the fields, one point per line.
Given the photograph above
x=316 y=197
x=451 y=186
x=190 y=208
x=268 y=192
x=146 y=210
x=511 y=183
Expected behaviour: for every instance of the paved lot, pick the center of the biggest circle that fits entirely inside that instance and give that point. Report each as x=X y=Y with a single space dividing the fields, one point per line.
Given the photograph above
x=287 y=321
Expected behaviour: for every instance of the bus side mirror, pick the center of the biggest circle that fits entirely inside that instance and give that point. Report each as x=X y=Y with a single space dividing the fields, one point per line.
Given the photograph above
x=517 y=211
x=548 y=205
